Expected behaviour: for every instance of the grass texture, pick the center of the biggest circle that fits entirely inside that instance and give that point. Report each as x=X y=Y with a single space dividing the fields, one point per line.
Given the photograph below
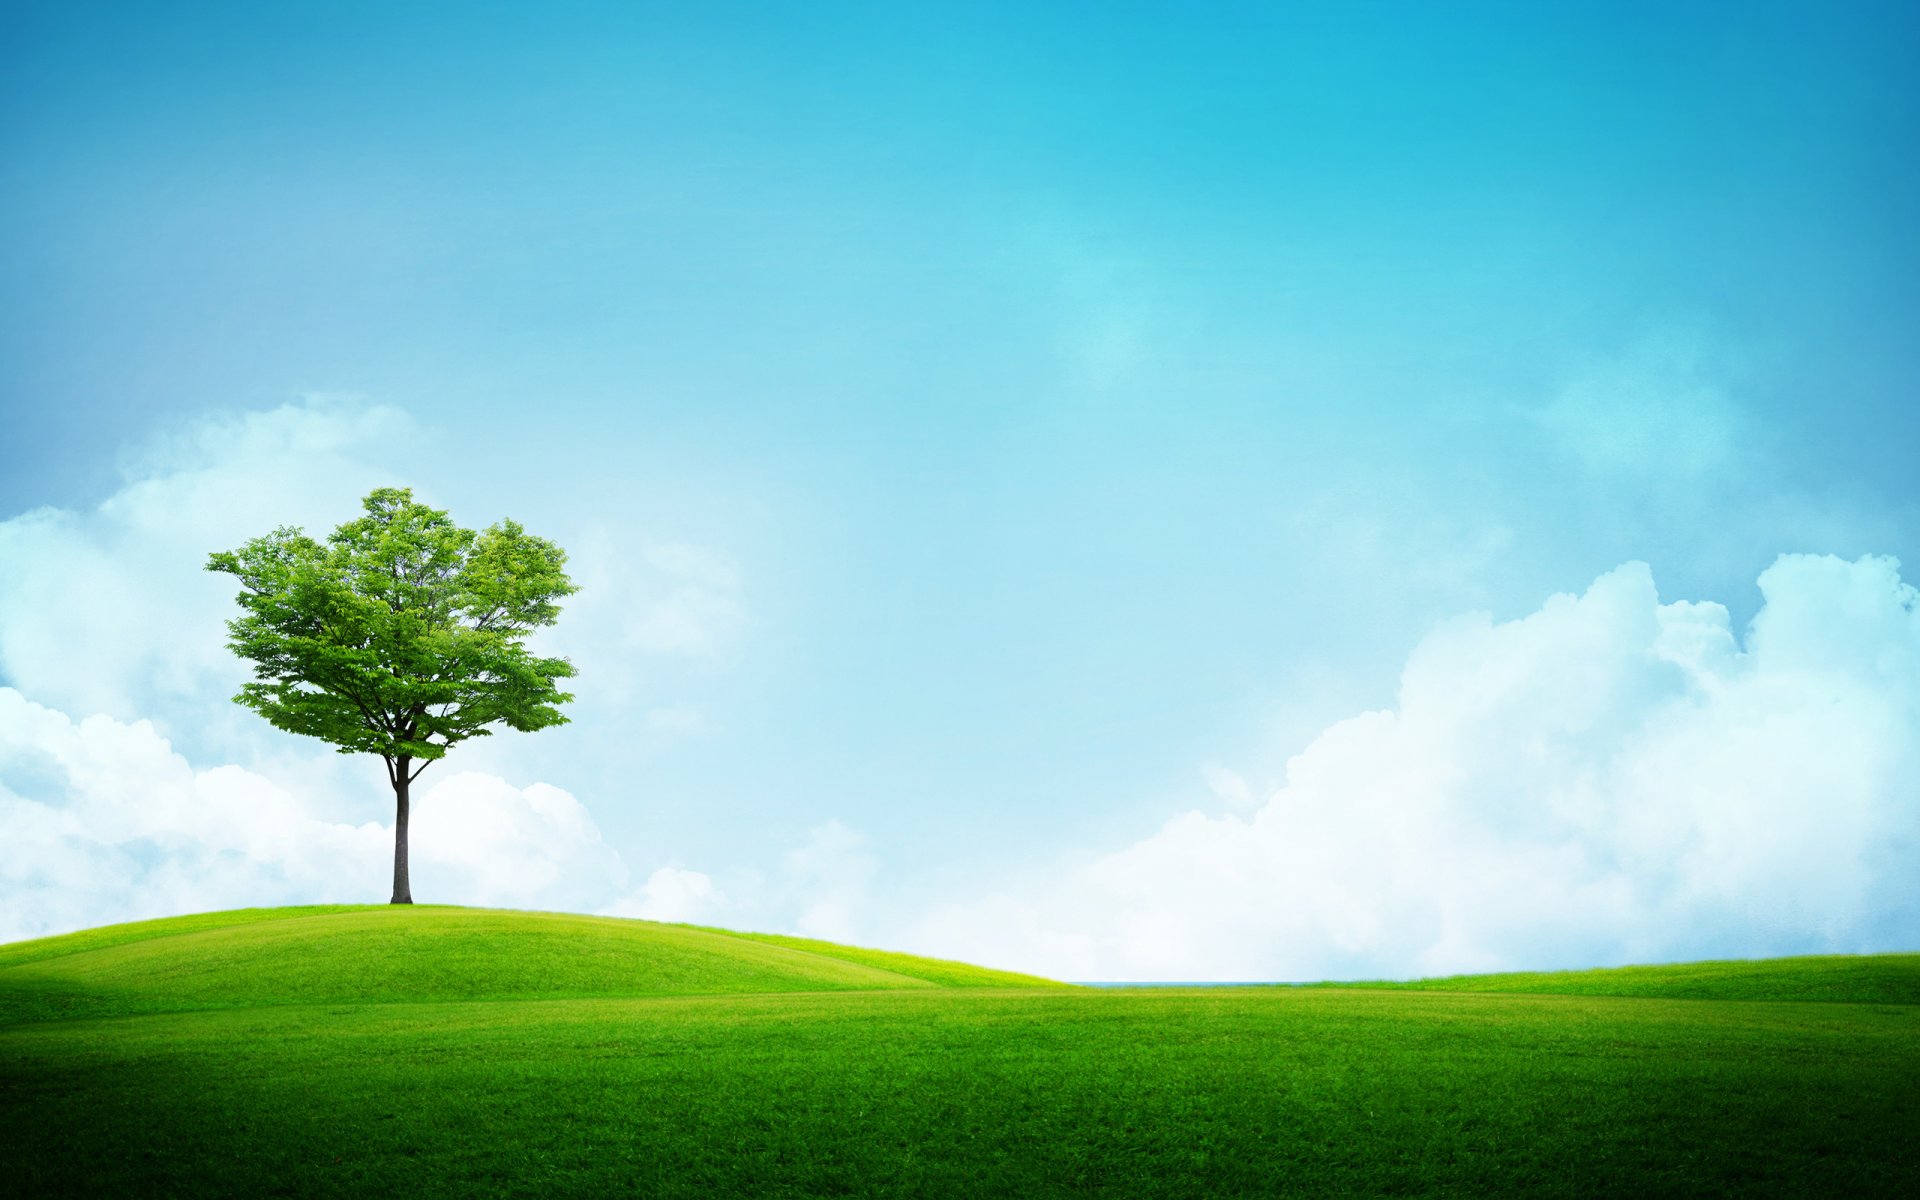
x=383 y=953
x=1842 y=978
x=460 y=1052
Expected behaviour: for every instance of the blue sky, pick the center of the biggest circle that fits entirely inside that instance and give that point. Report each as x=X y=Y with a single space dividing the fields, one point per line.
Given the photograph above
x=989 y=430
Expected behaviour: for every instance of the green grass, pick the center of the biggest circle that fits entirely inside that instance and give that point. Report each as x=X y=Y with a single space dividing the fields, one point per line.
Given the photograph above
x=137 y=931
x=1843 y=978
x=815 y=1070
x=932 y=970
x=258 y=957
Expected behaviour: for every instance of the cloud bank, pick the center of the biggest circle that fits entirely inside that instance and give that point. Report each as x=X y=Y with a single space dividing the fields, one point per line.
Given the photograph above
x=1608 y=780
x=104 y=821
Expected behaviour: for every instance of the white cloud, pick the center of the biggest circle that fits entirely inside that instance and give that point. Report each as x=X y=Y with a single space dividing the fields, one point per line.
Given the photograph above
x=1652 y=413
x=1607 y=780
x=1229 y=785
x=104 y=821
x=693 y=606
x=829 y=876
x=476 y=839
x=1371 y=529
x=111 y=611
x=660 y=598
x=672 y=894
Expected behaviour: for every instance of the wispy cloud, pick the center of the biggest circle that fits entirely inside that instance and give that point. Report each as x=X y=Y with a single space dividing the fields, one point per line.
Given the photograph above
x=1657 y=412
x=828 y=877
x=109 y=609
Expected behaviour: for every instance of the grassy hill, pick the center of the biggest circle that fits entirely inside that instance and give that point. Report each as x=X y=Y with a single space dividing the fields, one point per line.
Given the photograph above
x=454 y=1052
x=377 y=953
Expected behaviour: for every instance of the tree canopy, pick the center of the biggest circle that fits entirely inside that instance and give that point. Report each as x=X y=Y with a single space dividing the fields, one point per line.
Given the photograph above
x=402 y=635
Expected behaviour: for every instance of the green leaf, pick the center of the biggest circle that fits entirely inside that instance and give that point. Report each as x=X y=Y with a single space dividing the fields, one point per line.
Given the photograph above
x=403 y=635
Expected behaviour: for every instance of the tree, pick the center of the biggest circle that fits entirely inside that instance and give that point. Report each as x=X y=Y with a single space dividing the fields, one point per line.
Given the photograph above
x=402 y=636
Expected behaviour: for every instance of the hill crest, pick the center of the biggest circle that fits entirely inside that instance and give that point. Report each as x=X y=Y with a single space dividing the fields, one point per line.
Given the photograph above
x=387 y=954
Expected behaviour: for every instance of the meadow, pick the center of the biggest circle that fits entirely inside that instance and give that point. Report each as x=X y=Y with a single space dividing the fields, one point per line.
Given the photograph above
x=453 y=1052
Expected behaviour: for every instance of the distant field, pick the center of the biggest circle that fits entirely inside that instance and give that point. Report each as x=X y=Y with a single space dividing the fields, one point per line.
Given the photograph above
x=459 y=1052
x=1843 y=978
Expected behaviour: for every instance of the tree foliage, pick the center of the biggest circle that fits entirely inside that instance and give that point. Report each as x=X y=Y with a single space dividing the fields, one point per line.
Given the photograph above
x=402 y=635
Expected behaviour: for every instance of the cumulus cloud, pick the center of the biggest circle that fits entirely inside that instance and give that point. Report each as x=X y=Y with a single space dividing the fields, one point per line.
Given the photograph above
x=105 y=821
x=672 y=894
x=477 y=839
x=1610 y=779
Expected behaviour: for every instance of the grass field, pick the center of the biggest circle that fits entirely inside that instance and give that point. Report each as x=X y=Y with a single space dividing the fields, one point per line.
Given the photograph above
x=449 y=1052
x=1841 y=978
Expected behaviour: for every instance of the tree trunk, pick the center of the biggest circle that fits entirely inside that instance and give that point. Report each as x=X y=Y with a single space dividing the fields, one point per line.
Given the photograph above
x=402 y=888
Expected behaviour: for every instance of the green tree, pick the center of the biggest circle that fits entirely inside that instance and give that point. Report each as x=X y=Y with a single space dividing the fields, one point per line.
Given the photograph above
x=402 y=636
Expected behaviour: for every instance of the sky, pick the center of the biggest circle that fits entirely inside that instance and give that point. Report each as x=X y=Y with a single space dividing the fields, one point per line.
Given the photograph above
x=1123 y=492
